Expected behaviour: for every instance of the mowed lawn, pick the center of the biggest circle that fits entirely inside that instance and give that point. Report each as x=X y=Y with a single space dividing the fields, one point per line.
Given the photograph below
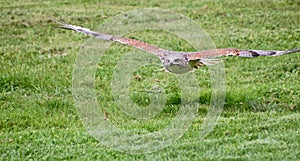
x=38 y=118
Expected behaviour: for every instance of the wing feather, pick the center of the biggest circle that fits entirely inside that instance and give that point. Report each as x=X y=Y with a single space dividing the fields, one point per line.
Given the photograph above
x=122 y=40
x=196 y=59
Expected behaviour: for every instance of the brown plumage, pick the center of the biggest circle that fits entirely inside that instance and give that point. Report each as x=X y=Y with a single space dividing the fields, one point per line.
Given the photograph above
x=179 y=62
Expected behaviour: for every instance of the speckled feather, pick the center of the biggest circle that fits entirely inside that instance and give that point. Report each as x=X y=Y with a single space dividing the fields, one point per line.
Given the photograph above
x=179 y=62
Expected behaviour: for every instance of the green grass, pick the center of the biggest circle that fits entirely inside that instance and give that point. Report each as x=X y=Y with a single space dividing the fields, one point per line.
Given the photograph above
x=38 y=118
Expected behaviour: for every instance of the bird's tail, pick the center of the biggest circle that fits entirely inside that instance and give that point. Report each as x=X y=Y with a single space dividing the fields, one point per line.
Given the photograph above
x=256 y=53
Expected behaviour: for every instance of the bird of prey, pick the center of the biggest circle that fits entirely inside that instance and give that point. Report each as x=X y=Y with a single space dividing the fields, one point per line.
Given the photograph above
x=179 y=62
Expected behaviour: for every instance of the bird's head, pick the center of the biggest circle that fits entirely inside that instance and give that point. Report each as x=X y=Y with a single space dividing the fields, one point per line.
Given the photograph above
x=176 y=63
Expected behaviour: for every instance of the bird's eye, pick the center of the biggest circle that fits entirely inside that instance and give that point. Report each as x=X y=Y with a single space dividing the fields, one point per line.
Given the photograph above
x=167 y=61
x=177 y=60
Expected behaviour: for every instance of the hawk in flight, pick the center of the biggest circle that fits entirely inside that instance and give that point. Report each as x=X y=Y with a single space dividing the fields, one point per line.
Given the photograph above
x=179 y=62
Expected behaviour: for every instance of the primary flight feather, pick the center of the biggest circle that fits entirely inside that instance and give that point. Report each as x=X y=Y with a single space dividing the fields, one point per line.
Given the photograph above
x=174 y=61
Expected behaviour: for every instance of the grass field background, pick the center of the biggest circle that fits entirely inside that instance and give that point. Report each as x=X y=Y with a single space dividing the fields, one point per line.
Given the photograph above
x=38 y=118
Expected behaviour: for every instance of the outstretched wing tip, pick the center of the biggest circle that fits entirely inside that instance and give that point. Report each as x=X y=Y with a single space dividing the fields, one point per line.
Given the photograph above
x=61 y=24
x=57 y=21
x=294 y=50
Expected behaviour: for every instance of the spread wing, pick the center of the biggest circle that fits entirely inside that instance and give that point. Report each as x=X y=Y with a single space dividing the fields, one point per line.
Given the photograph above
x=208 y=57
x=196 y=59
x=126 y=41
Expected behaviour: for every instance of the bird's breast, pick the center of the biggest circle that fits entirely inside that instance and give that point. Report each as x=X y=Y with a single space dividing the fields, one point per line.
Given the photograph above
x=179 y=69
